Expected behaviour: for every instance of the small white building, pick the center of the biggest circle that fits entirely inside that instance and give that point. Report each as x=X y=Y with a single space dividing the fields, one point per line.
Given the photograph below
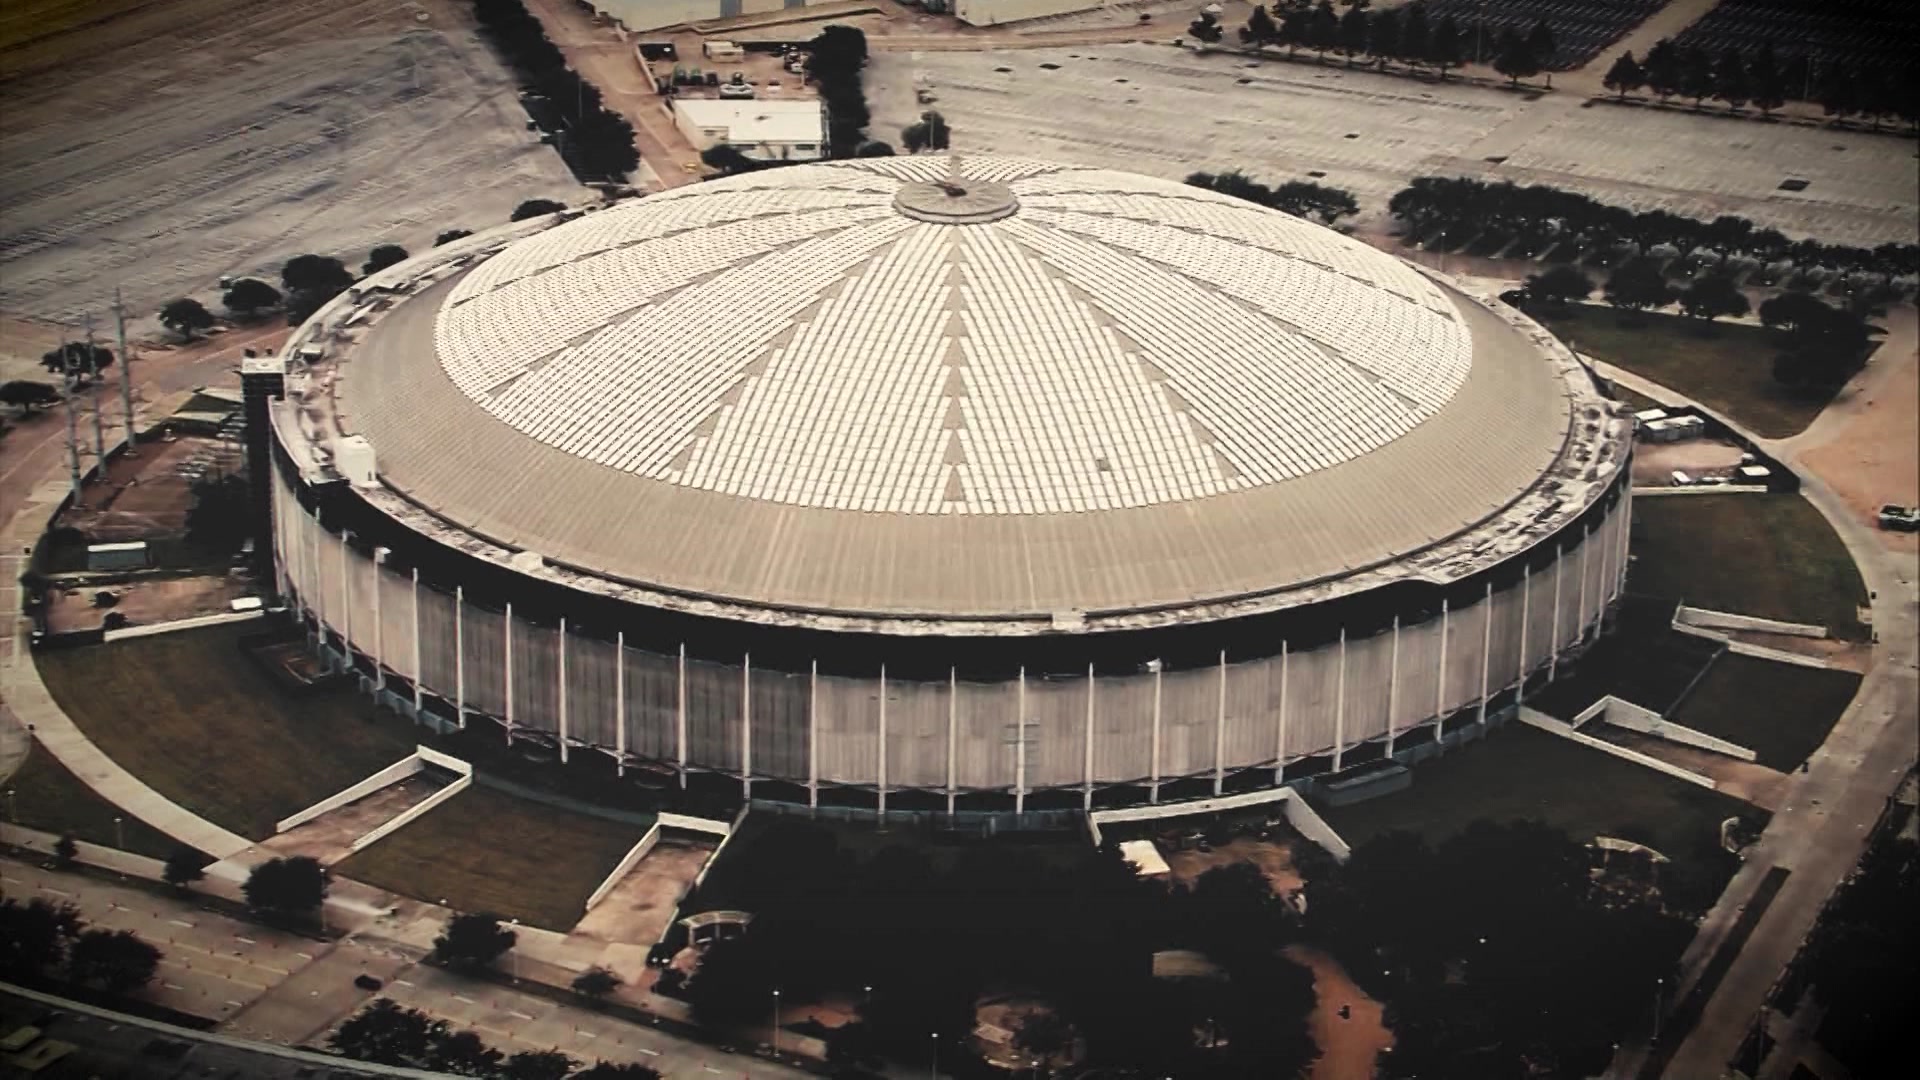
x=1145 y=858
x=997 y=12
x=762 y=130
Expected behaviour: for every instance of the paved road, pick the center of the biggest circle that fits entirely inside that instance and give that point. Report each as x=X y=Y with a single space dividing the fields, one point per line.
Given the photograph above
x=282 y=988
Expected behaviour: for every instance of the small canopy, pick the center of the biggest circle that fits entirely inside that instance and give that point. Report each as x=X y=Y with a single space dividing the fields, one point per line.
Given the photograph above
x=1145 y=859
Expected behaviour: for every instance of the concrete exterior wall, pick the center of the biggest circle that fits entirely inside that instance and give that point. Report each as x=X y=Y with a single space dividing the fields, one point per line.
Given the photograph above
x=1727 y=620
x=954 y=735
x=996 y=12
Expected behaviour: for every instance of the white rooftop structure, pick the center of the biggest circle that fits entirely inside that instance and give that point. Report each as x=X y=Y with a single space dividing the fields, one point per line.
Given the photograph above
x=778 y=127
x=1145 y=858
x=920 y=389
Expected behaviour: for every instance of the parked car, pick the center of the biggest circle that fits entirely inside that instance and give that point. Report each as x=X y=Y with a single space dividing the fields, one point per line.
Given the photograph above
x=1900 y=518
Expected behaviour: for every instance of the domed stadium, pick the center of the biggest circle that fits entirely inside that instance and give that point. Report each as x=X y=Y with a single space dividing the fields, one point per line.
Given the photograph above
x=929 y=484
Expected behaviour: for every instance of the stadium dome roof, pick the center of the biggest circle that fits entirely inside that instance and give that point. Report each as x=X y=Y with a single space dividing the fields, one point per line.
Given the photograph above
x=913 y=387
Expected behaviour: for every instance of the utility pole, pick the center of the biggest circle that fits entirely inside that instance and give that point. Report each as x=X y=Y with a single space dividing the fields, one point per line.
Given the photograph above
x=93 y=385
x=126 y=366
x=73 y=431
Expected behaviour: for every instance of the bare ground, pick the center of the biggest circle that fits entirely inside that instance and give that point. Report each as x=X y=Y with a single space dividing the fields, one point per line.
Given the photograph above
x=637 y=910
x=1348 y=1047
x=146 y=602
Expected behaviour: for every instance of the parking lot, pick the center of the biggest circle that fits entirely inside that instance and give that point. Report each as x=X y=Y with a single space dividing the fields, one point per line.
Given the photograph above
x=1160 y=110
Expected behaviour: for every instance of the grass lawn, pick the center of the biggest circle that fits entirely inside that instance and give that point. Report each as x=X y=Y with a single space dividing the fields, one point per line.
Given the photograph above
x=1781 y=712
x=1767 y=555
x=43 y=795
x=192 y=716
x=484 y=850
x=1729 y=369
x=1519 y=772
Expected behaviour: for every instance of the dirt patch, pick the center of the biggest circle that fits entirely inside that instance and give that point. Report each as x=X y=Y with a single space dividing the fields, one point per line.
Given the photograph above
x=150 y=494
x=1744 y=780
x=1273 y=857
x=1349 y=1045
x=1655 y=463
x=330 y=836
x=1869 y=460
x=145 y=602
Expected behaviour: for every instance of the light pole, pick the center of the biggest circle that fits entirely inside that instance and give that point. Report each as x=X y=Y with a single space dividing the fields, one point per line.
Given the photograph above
x=1658 y=985
x=513 y=951
x=119 y=833
x=11 y=816
x=933 y=1063
x=776 y=1021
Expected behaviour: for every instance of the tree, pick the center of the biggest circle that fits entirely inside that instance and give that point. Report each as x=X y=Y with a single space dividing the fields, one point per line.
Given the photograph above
x=220 y=519
x=462 y=1053
x=1559 y=284
x=1541 y=42
x=1663 y=69
x=1730 y=83
x=537 y=1065
x=596 y=982
x=837 y=50
x=1764 y=83
x=27 y=395
x=315 y=274
x=450 y=236
x=186 y=317
x=1713 y=296
x=1696 y=75
x=1515 y=58
x=929 y=133
x=184 y=867
x=1625 y=76
x=736 y=979
x=382 y=257
x=534 y=208
x=473 y=941
x=386 y=1033
x=1355 y=28
x=727 y=159
x=607 y=1070
x=65 y=851
x=1260 y=28
x=34 y=936
x=1295 y=29
x=1839 y=94
x=1323 y=28
x=295 y=885
x=1206 y=28
x=1638 y=285
x=78 y=361
x=1383 y=38
x=873 y=148
x=115 y=960
x=1045 y=1034
x=1443 y=47
x=248 y=296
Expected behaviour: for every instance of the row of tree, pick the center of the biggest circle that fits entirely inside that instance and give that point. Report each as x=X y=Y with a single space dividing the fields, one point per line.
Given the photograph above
x=594 y=141
x=387 y=1033
x=42 y=942
x=1843 y=89
x=1399 y=35
x=1301 y=198
x=1444 y=211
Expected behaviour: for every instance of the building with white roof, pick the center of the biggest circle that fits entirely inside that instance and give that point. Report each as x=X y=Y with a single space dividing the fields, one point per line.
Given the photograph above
x=760 y=129
x=911 y=483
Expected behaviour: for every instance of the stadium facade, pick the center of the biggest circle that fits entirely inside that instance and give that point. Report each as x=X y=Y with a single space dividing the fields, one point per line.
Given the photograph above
x=898 y=482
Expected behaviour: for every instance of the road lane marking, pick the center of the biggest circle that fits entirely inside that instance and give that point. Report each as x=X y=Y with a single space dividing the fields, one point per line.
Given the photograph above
x=649 y=1053
x=518 y=1013
x=587 y=1035
x=402 y=982
x=56 y=892
x=244 y=940
x=463 y=997
x=172 y=986
x=181 y=922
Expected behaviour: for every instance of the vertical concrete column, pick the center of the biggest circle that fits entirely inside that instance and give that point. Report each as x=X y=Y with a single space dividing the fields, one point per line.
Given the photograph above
x=1153 y=782
x=1553 y=642
x=953 y=729
x=1340 y=706
x=1440 y=689
x=1086 y=763
x=1220 y=731
x=680 y=716
x=1020 y=746
x=1586 y=545
x=562 y=679
x=1626 y=541
x=460 y=655
x=1280 y=737
x=419 y=663
x=746 y=725
x=346 y=599
x=379 y=626
x=1486 y=649
x=883 y=744
x=1526 y=623
x=620 y=701
x=813 y=735
x=506 y=636
x=1393 y=684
